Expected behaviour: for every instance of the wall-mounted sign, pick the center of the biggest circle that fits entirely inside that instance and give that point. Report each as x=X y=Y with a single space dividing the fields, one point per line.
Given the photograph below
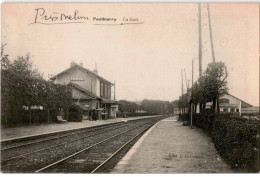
x=76 y=79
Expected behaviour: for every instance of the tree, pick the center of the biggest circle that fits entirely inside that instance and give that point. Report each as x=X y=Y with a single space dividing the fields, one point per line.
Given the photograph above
x=155 y=106
x=209 y=88
x=23 y=87
x=196 y=96
x=216 y=74
x=183 y=102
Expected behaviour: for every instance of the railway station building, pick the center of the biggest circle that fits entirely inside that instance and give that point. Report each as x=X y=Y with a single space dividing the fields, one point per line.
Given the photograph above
x=230 y=104
x=90 y=91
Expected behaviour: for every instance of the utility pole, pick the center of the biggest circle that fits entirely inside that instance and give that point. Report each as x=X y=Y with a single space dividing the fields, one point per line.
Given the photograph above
x=186 y=80
x=192 y=82
x=200 y=43
x=191 y=113
x=114 y=90
x=181 y=83
x=91 y=86
x=210 y=34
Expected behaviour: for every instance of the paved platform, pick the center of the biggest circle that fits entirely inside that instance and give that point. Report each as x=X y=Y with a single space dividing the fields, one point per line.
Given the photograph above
x=169 y=147
x=24 y=131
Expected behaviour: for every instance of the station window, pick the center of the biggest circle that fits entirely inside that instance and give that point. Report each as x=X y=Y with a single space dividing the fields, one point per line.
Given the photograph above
x=109 y=92
x=101 y=89
x=225 y=109
x=105 y=95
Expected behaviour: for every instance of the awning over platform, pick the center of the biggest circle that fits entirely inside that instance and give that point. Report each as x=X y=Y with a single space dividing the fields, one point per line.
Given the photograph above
x=107 y=101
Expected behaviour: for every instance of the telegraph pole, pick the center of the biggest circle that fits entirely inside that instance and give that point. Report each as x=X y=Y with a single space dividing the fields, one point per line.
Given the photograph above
x=191 y=113
x=210 y=34
x=192 y=82
x=181 y=83
x=200 y=43
x=186 y=80
x=91 y=87
x=114 y=90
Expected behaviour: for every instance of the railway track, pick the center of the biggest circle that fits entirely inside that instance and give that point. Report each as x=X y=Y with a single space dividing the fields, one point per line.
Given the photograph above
x=37 y=155
x=44 y=144
x=20 y=142
x=7 y=145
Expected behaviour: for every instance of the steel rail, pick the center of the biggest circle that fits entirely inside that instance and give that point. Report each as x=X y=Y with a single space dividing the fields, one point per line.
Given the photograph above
x=85 y=149
x=57 y=145
x=57 y=137
x=67 y=134
x=110 y=157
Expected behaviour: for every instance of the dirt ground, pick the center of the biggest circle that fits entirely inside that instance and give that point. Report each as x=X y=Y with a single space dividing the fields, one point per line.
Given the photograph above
x=173 y=148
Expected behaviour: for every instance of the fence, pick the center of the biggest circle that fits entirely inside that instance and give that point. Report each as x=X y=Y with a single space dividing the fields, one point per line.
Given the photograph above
x=22 y=117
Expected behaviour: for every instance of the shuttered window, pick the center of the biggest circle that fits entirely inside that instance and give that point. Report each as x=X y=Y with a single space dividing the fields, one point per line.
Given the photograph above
x=101 y=89
x=105 y=95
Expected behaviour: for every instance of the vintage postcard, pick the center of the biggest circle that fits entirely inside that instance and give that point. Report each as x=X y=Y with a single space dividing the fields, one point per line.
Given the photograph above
x=130 y=88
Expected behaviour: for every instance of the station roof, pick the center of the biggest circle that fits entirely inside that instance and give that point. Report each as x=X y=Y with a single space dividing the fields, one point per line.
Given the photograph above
x=88 y=93
x=84 y=70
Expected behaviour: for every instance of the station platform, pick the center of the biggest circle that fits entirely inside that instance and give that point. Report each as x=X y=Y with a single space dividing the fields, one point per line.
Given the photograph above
x=34 y=130
x=170 y=147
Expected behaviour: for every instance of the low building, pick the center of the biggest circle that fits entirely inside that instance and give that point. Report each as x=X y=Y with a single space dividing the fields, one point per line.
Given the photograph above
x=89 y=90
x=251 y=110
x=230 y=104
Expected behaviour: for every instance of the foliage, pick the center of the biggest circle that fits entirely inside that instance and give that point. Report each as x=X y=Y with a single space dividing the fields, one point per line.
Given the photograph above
x=155 y=106
x=236 y=138
x=75 y=113
x=172 y=105
x=208 y=88
x=146 y=107
x=23 y=87
x=183 y=101
x=127 y=106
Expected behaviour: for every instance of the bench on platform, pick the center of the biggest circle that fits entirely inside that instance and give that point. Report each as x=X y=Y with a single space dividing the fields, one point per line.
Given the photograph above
x=60 y=119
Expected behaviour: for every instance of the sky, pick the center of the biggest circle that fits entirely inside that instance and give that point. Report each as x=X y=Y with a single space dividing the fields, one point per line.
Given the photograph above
x=145 y=57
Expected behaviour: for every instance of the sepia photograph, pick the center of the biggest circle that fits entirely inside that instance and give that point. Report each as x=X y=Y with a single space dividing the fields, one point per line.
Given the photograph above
x=130 y=88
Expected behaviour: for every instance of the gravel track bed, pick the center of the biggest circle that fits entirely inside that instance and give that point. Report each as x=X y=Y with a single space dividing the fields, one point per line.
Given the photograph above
x=32 y=162
x=72 y=136
x=58 y=135
x=34 y=147
x=87 y=161
x=55 y=136
x=108 y=167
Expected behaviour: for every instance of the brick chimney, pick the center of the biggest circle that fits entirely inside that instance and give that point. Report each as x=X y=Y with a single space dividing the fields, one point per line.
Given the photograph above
x=81 y=64
x=72 y=63
x=95 y=70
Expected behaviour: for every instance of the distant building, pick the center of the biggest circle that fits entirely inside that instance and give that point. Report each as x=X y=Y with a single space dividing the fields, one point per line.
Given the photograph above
x=251 y=110
x=175 y=107
x=231 y=104
x=89 y=90
x=176 y=111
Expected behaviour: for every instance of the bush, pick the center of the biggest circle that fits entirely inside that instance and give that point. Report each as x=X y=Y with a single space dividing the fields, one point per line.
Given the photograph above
x=237 y=141
x=75 y=113
x=204 y=121
x=251 y=114
x=184 y=117
x=235 y=138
